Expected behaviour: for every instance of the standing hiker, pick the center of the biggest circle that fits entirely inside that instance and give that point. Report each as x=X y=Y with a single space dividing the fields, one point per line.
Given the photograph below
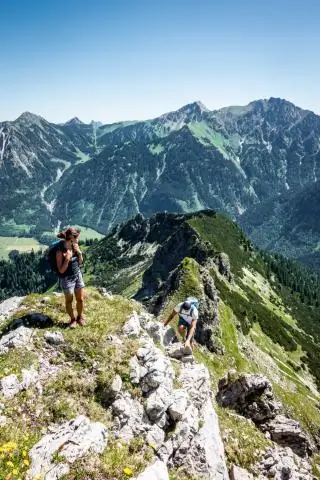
x=188 y=317
x=68 y=261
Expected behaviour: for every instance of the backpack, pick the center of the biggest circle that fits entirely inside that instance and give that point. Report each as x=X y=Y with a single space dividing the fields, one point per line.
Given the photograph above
x=194 y=303
x=51 y=255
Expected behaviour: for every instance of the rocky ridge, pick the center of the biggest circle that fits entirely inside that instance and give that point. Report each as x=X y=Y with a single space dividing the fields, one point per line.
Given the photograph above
x=169 y=406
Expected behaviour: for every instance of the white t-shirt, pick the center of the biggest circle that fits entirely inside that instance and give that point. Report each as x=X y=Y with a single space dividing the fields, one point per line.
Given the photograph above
x=187 y=315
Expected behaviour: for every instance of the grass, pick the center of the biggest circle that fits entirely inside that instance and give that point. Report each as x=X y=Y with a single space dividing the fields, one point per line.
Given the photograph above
x=244 y=443
x=13 y=362
x=75 y=388
x=119 y=461
x=22 y=244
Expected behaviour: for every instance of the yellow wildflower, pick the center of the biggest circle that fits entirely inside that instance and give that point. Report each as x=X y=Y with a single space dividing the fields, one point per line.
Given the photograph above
x=26 y=462
x=127 y=471
x=15 y=471
x=24 y=453
x=10 y=464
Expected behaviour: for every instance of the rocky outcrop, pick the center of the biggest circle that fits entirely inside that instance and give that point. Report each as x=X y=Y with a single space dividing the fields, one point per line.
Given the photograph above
x=21 y=337
x=223 y=263
x=71 y=440
x=10 y=385
x=157 y=471
x=7 y=307
x=286 y=431
x=282 y=464
x=252 y=396
x=249 y=395
x=179 y=423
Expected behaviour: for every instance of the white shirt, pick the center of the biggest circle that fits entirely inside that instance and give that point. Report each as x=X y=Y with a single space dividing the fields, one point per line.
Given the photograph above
x=187 y=315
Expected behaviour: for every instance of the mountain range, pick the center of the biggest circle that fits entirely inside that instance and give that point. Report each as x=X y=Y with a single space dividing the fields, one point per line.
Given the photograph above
x=259 y=164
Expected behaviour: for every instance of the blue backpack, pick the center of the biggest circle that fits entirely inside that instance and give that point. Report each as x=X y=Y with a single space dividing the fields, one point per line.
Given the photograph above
x=51 y=255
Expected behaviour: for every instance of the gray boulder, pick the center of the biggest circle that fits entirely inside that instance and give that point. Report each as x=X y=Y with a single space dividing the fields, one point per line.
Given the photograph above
x=157 y=471
x=281 y=464
x=179 y=405
x=178 y=351
x=286 y=431
x=250 y=395
x=7 y=307
x=20 y=337
x=158 y=402
x=195 y=380
x=54 y=338
x=157 y=369
x=130 y=416
x=132 y=326
x=238 y=473
x=9 y=386
x=72 y=440
x=155 y=437
x=203 y=455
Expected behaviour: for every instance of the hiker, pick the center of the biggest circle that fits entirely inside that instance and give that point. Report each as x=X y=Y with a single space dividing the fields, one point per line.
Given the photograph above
x=188 y=316
x=68 y=259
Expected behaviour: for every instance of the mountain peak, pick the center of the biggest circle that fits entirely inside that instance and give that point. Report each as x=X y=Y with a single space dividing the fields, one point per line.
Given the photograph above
x=74 y=121
x=29 y=118
x=197 y=107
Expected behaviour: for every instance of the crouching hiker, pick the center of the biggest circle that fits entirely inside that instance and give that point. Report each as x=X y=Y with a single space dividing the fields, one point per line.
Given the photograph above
x=188 y=317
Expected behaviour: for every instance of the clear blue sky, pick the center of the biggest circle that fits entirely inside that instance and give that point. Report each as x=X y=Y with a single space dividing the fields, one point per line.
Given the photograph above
x=113 y=60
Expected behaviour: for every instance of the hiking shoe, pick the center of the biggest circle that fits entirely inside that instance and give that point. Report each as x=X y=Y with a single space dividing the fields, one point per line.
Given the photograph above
x=73 y=323
x=81 y=320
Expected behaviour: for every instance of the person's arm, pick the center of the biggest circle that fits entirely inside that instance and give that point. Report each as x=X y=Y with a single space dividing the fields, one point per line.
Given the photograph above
x=191 y=332
x=78 y=252
x=172 y=314
x=63 y=260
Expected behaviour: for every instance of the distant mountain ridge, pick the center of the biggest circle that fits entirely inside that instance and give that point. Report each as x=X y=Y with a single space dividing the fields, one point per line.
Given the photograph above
x=231 y=160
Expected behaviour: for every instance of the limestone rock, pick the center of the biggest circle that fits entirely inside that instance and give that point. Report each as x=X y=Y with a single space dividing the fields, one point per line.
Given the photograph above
x=29 y=378
x=54 y=338
x=157 y=471
x=157 y=368
x=178 y=351
x=281 y=463
x=19 y=337
x=158 y=402
x=9 y=386
x=7 y=307
x=195 y=380
x=203 y=454
x=178 y=407
x=250 y=395
x=72 y=440
x=131 y=417
x=155 y=437
x=286 y=431
x=132 y=326
x=238 y=473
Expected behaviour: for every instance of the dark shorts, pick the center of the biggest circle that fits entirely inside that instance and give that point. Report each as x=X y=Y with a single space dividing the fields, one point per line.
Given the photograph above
x=70 y=284
x=186 y=325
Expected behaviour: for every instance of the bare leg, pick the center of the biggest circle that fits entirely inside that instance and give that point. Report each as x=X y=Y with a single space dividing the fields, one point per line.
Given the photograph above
x=80 y=301
x=182 y=331
x=79 y=297
x=69 y=308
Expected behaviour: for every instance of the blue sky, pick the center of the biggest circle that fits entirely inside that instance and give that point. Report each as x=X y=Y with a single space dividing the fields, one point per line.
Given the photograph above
x=112 y=60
